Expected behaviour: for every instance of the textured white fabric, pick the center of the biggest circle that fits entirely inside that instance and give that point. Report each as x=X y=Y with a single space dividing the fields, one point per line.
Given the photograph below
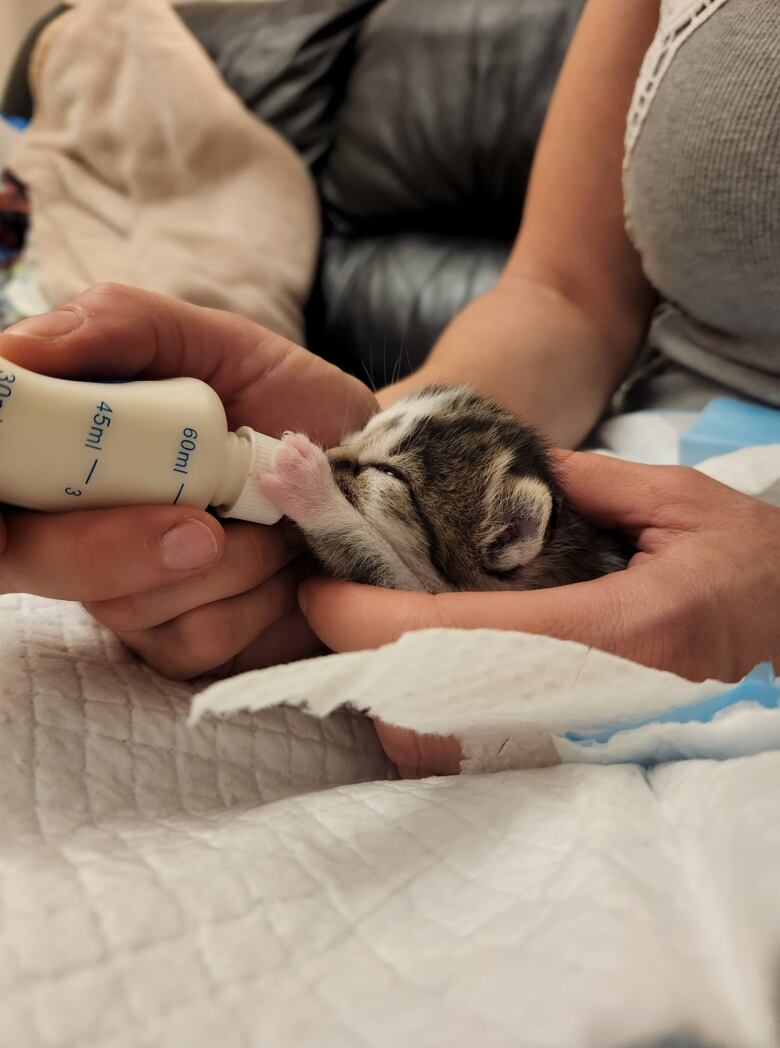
x=151 y=899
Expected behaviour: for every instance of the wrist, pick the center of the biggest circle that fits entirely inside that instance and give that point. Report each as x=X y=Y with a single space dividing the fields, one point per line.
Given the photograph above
x=531 y=350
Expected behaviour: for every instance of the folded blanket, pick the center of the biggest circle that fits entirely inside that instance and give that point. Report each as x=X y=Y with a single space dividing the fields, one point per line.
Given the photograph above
x=143 y=167
x=163 y=887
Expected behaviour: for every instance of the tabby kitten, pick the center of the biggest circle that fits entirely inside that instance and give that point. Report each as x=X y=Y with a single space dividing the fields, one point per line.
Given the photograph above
x=442 y=491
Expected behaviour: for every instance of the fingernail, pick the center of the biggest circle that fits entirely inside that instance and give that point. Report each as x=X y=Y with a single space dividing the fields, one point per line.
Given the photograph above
x=187 y=546
x=48 y=325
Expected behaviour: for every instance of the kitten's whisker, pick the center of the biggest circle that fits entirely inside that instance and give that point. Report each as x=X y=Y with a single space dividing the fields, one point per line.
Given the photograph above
x=404 y=333
x=405 y=348
x=344 y=430
x=371 y=383
x=396 y=370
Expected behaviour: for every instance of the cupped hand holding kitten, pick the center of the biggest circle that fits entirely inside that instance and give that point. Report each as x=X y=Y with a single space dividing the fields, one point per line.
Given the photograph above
x=699 y=598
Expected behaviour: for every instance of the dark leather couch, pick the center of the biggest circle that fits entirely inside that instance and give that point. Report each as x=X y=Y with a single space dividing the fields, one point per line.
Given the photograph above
x=418 y=119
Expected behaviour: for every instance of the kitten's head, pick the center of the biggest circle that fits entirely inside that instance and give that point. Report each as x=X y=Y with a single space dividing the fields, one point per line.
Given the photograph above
x=462 y=491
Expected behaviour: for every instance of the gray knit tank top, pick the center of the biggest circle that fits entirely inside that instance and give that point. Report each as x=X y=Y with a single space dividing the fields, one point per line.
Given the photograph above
x=702 y=189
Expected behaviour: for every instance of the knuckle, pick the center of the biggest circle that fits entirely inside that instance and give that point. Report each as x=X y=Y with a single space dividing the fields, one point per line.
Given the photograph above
x=672 y=491
x=159 y=649
x=686 y=482
x=110 y=289
x=90 y=548
x=402 y=746
x=258 y=553
x=192 y=644
x=159 y=656
x=199 y=640
x=118 y=614
x=674 y=481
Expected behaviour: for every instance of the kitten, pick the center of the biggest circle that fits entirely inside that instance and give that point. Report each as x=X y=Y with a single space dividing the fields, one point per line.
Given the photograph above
x=441 y=491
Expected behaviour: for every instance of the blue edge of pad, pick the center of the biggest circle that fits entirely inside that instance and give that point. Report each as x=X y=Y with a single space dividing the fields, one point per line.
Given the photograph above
x=17 y=122
x=759 y=686
x=728 y=424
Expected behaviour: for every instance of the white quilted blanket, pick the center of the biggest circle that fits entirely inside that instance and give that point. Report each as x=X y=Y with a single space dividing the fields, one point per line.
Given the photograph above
x=161 y=886
x=261 y=881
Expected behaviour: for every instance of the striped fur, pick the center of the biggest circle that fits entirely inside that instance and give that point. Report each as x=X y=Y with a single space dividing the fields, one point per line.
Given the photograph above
x=442 y=491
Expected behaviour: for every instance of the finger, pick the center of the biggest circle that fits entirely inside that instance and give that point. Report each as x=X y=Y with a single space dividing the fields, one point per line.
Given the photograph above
x=103 y=554
x=251 y=555
x=116 y=331
x=625 y=613
x=629 y=495
x=209 y=636
x=418 y=755
x=286 y=640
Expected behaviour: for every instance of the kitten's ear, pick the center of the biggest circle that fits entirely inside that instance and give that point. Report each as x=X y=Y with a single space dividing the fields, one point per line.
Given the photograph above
x=519 y=517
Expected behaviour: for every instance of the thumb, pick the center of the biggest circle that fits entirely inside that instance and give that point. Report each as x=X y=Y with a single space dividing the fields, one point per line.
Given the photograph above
x=115 y=331
x=611 y=613
x=348 y=616
x=630 y=495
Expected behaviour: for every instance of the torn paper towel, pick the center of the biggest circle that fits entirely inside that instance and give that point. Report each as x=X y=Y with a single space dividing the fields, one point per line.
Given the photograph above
x=504 y=694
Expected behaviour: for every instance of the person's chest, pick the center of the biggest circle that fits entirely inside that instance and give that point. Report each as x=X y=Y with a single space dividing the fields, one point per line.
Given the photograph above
x=702 y=172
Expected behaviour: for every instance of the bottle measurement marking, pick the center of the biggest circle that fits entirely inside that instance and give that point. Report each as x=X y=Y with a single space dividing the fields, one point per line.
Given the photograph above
x=6 y=383
x=187 y=446
x=101 y=420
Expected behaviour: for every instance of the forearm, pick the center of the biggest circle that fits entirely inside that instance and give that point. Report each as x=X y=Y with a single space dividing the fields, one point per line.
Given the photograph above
x=557 y=334
x=529 y=348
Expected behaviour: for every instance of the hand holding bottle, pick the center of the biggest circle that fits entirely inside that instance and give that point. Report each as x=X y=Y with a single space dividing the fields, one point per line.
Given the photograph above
x=186 y=593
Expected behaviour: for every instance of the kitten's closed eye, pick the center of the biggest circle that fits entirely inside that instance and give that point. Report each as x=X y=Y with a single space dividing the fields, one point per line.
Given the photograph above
x=384 y=467
x=355 y=467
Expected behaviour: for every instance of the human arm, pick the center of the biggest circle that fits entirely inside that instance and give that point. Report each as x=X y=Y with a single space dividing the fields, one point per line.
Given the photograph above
x=552 y=340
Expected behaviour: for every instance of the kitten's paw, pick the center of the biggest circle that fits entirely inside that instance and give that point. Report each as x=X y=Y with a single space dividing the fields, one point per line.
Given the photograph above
x=300 y=482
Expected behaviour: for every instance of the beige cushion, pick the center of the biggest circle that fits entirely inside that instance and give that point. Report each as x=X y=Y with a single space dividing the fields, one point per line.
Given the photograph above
x=143 y=167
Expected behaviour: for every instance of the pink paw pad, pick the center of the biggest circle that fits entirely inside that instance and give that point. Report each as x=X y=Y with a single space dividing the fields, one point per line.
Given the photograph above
x=300 y=478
